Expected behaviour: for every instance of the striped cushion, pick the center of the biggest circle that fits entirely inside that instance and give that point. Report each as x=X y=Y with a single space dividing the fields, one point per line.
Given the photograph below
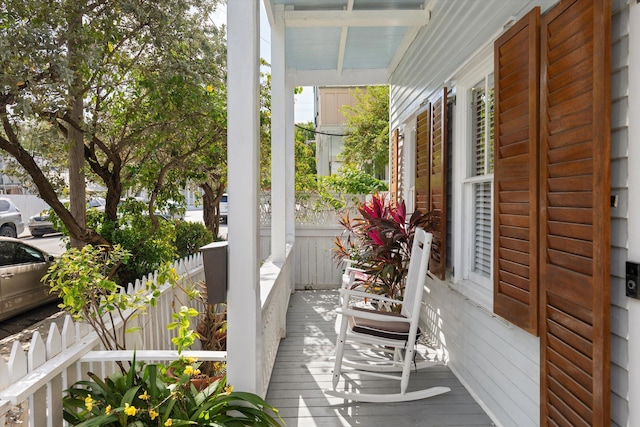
x=382 y=329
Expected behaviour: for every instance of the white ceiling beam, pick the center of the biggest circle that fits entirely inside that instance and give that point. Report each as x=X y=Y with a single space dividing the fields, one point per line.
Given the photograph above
x=348 y=77
x=356 y=18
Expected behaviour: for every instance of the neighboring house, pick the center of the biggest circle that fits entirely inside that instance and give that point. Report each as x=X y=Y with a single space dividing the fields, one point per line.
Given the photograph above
x=331 y=125
x=528 y=302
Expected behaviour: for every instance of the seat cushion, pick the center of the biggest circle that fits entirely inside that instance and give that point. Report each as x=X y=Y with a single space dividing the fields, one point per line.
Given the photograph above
x=382 y=329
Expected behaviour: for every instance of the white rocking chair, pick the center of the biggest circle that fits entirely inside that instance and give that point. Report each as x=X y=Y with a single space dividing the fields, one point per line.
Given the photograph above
x=386 y=342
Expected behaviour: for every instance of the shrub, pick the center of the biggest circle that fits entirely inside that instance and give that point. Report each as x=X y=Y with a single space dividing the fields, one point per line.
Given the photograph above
x=190 y=236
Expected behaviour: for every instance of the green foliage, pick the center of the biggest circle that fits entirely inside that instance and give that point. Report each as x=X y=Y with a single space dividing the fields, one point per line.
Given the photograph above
x=145 y=395
x=353 y=181
x=182 y=322
x=367 y=142
x=151 y=76
x=305 y=157
x=134 y=230
x=83 y=279
x=190 y=237
x=380 y=239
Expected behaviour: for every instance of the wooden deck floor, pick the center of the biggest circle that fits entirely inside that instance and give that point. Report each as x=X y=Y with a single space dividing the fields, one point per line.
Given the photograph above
x=303 y=370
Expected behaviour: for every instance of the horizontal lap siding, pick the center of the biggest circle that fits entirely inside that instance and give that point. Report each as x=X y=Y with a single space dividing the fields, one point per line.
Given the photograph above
x=619 y=236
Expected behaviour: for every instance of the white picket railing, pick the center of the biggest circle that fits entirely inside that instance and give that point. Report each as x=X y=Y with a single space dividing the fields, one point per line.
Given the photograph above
x=32 y=382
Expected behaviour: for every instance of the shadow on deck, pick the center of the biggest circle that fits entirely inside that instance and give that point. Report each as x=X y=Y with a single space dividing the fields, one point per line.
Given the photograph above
x=303 y=370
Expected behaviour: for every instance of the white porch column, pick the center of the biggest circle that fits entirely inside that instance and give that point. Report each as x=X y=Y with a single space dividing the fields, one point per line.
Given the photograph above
x=244 y=340
x=290 y=166
x=633 y=215
x=278 y=139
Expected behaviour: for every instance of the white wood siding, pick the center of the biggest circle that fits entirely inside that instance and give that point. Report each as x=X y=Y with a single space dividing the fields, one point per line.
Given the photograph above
x=619 y=234
x=499 y=362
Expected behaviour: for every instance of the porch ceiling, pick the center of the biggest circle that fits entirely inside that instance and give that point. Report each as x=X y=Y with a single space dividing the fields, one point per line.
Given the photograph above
x=347 y=41
x=355 y=42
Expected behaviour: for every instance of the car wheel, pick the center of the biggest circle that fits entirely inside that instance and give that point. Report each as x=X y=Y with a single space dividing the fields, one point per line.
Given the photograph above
x=37 y=235
x=7 y=231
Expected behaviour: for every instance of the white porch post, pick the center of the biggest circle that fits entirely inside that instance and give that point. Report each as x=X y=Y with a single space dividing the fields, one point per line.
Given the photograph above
x=633 y=215
x=244 y=341
x=278 y=139
x=290 y=166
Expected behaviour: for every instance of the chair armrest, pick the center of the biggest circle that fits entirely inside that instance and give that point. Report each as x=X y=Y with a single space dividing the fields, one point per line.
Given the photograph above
x=372 y=315
x=361 y=294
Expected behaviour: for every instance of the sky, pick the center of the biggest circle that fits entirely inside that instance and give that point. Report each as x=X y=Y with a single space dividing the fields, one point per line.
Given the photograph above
x=303 y=108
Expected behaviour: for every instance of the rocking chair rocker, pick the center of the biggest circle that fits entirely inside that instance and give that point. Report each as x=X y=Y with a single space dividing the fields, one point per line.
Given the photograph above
x=386 y=342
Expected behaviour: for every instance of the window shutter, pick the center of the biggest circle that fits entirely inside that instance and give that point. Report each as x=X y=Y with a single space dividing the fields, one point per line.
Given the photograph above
x=422 y=161
x=515 y=257
x=395 y=136
x=575 y=217
x=437 y=184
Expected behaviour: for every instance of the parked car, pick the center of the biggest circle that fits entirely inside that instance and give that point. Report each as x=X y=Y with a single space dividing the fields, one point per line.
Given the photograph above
x=224 y=208
x=39 y=224
x=21 y=269
x=10 y=219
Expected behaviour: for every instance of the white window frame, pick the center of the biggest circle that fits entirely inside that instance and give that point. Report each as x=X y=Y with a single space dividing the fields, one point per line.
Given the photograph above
x=475 y=286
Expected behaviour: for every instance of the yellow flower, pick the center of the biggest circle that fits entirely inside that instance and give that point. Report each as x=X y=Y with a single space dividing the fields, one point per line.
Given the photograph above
x=107 y=410
x=144 y=396
x=88 y=402
x=209 y=88
x=196 y=372
x=228 y=389
x=153 y=414
x=130 y=410
x=188 y=370
x=168 y=422
x=191 y=360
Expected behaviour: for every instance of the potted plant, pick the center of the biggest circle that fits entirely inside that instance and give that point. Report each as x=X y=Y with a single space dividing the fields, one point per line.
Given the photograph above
x=380 y=240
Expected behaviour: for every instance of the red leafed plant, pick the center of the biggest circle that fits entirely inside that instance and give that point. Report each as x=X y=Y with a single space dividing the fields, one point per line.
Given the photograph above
x=380 y=239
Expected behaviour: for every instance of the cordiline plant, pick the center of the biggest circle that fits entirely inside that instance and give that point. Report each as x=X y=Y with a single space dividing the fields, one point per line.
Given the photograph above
x=380 y=239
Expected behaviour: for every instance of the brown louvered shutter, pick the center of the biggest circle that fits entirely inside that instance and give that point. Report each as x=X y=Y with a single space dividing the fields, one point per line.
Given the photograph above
x=422 y=161
x=437 y=184
x=395 y=136
x=574 y=202
x=515 y=259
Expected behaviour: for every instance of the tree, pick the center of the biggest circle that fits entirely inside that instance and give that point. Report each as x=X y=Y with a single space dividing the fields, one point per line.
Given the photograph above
x=367 y=142
x=305 y=152
x=135 y=85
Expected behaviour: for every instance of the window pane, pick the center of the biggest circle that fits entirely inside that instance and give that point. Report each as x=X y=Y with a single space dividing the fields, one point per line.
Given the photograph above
x=479 y=129
x=482 y=102
x=490 y=104
x=482 y=229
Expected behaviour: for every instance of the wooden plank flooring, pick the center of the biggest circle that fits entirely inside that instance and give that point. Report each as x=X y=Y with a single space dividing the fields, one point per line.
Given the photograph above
x=303 y=370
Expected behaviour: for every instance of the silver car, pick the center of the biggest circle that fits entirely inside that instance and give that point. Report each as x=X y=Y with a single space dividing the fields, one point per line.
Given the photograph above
x=21 y=269
x=10 y=219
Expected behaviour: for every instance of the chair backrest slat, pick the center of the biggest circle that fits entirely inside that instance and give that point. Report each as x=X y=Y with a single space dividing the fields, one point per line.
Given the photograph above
x=417 y=273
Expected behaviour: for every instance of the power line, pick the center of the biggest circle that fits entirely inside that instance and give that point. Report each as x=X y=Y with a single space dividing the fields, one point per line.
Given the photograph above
x=321 y=133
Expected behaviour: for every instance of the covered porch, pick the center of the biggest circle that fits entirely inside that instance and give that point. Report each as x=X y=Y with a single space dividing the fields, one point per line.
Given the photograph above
x=303 y=369
x=558 y=353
